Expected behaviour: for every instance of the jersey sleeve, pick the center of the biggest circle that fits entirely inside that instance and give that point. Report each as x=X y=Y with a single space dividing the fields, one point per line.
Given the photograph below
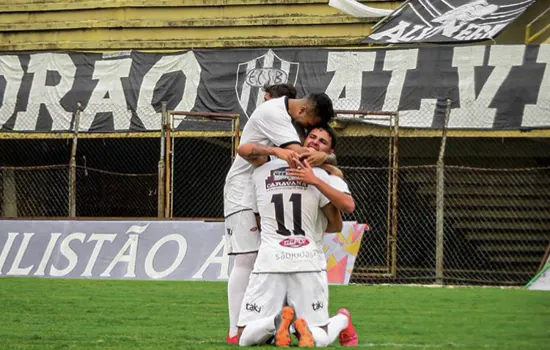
x=253 y=198
x=323 y=200
x=277 y=127
x=250 y=196
x=339 y=184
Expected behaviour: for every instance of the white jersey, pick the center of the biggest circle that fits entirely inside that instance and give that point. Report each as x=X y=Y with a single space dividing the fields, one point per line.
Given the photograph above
x=270 y=125
x=340 y=185
x=291 y=238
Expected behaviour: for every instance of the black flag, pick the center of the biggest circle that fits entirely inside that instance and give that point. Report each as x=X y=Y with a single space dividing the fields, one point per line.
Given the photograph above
x=438 y=21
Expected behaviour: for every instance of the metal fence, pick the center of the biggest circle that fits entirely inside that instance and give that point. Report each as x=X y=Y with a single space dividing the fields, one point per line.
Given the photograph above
x=443 y=206
x=201 y=153
x=470 y=210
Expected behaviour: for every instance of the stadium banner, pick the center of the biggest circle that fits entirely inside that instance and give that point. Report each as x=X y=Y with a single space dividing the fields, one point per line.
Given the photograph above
x=166 y=250
x=440 y=21
x=491 y=87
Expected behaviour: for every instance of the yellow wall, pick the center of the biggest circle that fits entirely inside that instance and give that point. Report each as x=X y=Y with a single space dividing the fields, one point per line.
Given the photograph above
x=515 y=32
x=175 y=24
x=166 y=25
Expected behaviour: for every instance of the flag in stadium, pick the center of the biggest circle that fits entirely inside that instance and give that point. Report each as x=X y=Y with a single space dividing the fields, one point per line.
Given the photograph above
x=438 y=21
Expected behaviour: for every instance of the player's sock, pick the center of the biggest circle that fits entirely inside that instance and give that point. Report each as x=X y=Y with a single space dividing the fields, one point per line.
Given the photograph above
x=236 y=286
x=335 y=326
x=258 y=332
x=320 y=337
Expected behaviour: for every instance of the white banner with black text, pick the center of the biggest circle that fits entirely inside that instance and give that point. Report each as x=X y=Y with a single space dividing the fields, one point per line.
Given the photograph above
x=168 y=250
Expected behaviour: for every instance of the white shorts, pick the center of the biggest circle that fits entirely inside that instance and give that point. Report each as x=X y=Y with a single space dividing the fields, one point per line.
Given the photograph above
x=241 y=233
x=267 y=293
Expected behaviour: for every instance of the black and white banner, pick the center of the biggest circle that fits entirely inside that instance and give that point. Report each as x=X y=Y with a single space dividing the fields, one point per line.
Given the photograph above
x=439 y=21
x=491 y=87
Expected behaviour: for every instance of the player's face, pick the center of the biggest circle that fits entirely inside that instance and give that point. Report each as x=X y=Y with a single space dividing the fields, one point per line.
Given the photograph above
x=267 y=96
x=320 y=140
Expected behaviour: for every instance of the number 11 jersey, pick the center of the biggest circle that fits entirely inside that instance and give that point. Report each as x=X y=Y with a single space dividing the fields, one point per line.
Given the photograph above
x=291 y=233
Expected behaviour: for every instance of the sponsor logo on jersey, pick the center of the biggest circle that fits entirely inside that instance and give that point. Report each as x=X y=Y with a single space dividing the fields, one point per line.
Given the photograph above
x=300 y=255
x=229 y=231
x=294 y=242
x=279 y=178
x=318 y=305
x=253 y=307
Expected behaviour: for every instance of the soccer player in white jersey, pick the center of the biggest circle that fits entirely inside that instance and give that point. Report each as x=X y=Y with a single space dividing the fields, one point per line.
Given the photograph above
x=290 y=267
x=321 y=139
x=340 y=325
x=269 y=125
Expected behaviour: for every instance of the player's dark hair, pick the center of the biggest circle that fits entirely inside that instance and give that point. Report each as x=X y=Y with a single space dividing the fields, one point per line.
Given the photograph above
x=321 y=106
x=280 y=90
x=330 y=130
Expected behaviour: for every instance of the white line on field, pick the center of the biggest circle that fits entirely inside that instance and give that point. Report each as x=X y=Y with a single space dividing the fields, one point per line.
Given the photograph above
x=397 y=345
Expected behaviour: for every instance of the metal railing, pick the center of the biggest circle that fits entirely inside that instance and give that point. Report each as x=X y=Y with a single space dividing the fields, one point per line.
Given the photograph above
x=542 y=18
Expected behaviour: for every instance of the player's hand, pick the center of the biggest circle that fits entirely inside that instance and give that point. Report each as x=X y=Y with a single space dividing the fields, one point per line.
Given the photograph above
x=303 y=172
x=315 y=158
x=287 y=155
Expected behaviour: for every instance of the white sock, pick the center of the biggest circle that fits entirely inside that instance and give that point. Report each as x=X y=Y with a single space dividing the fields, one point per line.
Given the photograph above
x=258 y=332
x=320 y=337
x=335 y=326
x=236 y=286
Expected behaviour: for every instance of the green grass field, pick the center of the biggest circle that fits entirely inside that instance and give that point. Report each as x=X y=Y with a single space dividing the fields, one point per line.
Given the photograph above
x=111 y=314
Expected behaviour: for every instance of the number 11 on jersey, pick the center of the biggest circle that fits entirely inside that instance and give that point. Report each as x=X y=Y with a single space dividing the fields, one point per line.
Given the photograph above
x=296 y=202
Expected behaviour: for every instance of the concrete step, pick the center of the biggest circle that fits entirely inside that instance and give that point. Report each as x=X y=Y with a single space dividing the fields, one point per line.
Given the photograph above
x=185 y=38
x=503 y=226
x=506 y=236
x=518 y=248
x=65 y=5
x=175 y=22
x=178 y=25
x=494 y=214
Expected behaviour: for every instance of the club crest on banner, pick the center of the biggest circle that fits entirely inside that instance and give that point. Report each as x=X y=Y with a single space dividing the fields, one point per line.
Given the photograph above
x=254 y=74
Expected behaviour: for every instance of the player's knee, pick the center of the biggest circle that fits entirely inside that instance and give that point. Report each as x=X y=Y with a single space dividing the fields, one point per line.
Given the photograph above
x=322 y=343
x=245 y=260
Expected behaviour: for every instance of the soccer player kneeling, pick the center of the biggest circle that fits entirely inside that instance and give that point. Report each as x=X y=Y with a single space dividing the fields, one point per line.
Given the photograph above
x=288 y=286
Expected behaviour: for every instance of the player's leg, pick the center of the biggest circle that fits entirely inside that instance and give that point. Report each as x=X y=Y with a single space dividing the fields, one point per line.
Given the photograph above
x=314 y=310
x=262 y=303
x=308 y=293
x=236 y=287
x=341 y=326
x=243 y=241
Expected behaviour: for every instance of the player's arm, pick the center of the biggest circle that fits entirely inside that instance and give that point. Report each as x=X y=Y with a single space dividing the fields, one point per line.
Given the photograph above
x=334 y=218
x=254 y=153
x=315 y=158
x=258 y=221
x=331 y=160
x=257 y=154
x=341 y=200
x=278 y=128
x=332 y=170
x=253 y=205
